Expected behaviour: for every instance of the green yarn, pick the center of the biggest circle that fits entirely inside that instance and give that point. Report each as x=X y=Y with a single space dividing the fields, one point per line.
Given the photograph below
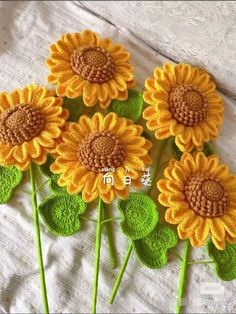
x=130 y=108
x=152 y=250
x=224 y=260
x=53 y=178
x=75 y=106
x=209 y=149
x=140 y=215
x=61 y=213
x=10 y=177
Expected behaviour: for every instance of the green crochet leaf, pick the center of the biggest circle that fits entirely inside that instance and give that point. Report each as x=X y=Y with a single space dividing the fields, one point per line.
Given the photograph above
x=152 y=250
x=140 y=215
x=75 y=107
x=10 y=177
x=209 y=149
x=61 y=213
x=130 y=108
x=45 y=170
x=224 y=260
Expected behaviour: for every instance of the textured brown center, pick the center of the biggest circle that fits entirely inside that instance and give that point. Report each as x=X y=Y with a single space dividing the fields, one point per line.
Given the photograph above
x=206 y=195
x=21 y=123
x=187 y=105
x=93 y=64
x=101 y=150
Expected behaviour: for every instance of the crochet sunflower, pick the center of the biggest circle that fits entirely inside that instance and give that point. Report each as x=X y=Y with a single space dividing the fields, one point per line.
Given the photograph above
x=85 y=64
x=200 y=196
x=97 y=144
x=184 y=104
x=30 y=123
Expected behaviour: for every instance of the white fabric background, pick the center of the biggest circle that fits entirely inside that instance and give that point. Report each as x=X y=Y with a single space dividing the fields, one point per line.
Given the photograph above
x=26 y=30
x=199 y=32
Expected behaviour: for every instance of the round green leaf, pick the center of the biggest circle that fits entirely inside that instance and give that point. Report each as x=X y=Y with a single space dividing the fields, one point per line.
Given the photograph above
x=75 y=107
x=131 y=108
x=10 y=177
x=140 y=215
x=224 y=260
x=152 y=250
x=61 y=213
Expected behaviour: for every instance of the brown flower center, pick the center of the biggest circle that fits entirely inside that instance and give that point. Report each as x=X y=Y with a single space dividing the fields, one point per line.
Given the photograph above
x=21 y=123
x=93 y=64
x=101 y=150
x=206 y=195
x=188 y=106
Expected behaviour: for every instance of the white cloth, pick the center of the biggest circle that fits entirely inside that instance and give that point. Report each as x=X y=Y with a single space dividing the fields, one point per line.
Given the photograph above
x=199 y=32
x=26 y=31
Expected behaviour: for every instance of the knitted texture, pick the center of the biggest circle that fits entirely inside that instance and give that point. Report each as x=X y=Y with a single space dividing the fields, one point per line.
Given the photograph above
x=61 y=213
x=84 y=64
x=10 y=178
x=225 y=261
x=152 y=250
x=96 y=153
x=74 y=106
x=45 y=170
x=131 y=108
x=208 y=149
x=200 y=196
x=140 y=215
x=31 y=121
x=184 y=104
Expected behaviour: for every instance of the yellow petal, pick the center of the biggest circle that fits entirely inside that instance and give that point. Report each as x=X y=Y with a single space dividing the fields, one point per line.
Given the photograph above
x=20 y=152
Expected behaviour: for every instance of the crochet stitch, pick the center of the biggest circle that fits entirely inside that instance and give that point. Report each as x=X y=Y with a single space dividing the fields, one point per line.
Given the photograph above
x=61 y=213
x=10 y=178
x=199 y=194
x=152 y=250
x=225 y=261
x=140 y=215
x=84 y=64
x=183 y=103
x=84 y=149
x=130 y=108
x=31 y=121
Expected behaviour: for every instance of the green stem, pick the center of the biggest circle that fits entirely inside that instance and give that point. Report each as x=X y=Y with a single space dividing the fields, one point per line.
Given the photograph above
x=41 y=185
x=182 y=277
x=121 y=273
x=38 y=240
x=109 y=234
x=158 y=162
x=200 y=262
x=111 y=219
x=97 y=255
x=88 y=219
x=123 y=267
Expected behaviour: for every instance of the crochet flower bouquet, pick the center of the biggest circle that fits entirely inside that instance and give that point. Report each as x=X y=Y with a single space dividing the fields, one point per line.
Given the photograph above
x=86 y=155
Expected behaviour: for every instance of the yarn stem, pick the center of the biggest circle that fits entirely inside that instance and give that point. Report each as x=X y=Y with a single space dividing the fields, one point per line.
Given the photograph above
x=182 y=277
x=121 y=273
x=110 y=238
x=38 y=240
x=125 y=262
x=97 y=254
